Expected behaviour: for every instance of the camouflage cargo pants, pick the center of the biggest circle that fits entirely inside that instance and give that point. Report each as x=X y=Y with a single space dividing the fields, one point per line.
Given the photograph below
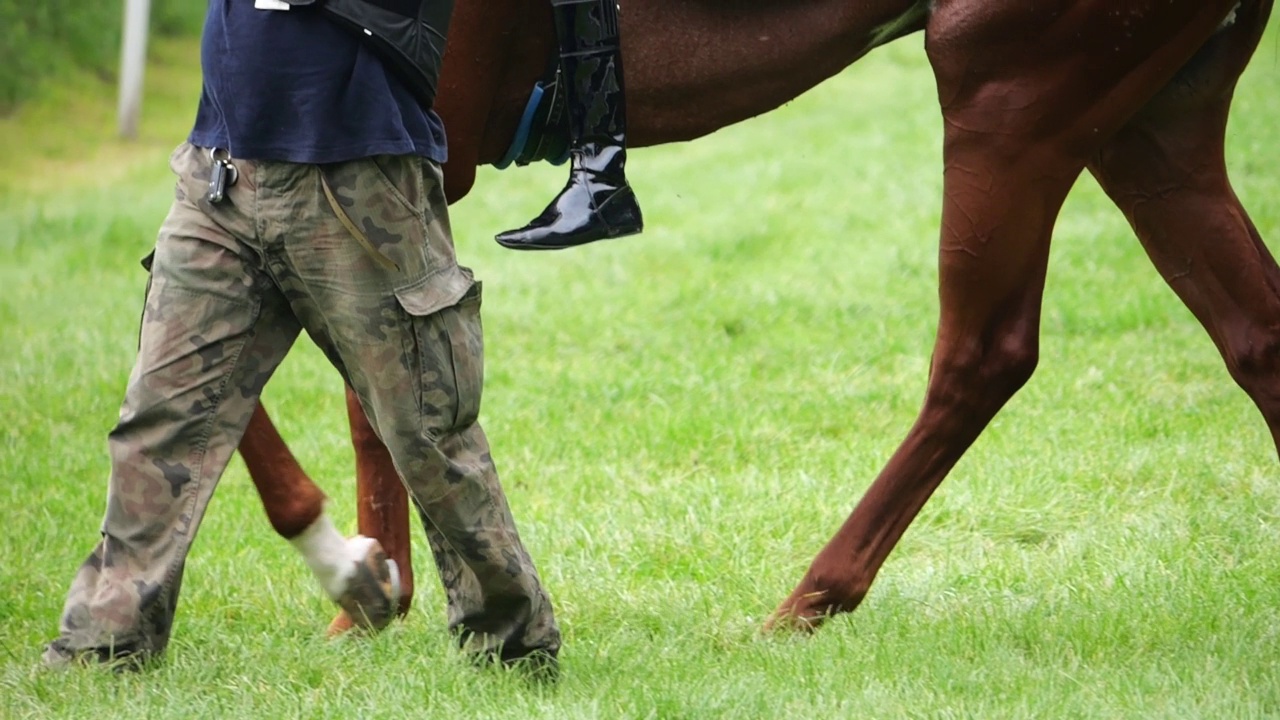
x=378 y=288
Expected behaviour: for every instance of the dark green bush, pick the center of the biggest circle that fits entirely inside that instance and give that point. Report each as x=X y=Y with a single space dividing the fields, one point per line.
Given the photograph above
x=39 y=40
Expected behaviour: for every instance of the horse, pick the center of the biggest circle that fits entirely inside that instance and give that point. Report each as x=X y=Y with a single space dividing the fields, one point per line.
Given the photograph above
x=1032 y=93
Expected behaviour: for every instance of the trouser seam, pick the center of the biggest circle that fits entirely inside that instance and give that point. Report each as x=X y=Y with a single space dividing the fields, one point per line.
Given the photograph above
x=198 y=479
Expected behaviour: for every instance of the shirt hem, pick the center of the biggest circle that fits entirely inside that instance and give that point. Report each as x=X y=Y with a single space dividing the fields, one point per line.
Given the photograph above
x=320 y=155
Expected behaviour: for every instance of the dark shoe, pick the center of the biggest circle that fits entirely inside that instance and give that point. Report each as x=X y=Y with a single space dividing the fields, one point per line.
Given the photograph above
x=539 y=666
x=57 y=656
x=597 y=203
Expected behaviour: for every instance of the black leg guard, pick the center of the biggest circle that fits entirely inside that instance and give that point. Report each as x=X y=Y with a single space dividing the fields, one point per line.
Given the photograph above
x=597 y=203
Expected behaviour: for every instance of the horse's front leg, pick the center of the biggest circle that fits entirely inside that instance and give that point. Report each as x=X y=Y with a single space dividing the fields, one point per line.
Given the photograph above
x=1022 y=113
x=997 y=219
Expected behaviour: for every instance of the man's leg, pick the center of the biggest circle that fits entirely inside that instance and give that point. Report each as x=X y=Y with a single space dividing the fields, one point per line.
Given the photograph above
x=213 y=330
x=394 y=311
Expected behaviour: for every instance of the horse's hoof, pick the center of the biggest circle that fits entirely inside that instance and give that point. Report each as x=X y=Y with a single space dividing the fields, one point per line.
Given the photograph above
x=371 y=598
x=341 y=624
x=785 y=623
x=801 y=614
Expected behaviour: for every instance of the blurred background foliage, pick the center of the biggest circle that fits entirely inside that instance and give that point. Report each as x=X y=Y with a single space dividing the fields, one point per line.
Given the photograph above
x=39 y=41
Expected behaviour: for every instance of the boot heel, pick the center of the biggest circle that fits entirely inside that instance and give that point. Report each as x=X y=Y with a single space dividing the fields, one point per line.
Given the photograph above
x=620 y=213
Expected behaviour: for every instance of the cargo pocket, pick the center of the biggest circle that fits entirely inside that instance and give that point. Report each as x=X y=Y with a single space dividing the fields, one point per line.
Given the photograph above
x=447 y=349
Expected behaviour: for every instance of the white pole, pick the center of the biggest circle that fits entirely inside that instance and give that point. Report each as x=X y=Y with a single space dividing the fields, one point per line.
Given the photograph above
x=133 y=61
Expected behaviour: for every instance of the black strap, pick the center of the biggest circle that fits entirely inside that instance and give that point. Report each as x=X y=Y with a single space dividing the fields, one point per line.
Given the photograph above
x=407 y=35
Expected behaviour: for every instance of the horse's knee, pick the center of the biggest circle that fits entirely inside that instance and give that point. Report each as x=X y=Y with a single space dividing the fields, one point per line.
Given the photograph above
x=1253 y=359
x=974 y=378
x=1008 y=365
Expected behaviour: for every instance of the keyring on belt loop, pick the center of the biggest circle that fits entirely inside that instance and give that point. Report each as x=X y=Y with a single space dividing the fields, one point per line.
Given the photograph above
x=232 y=172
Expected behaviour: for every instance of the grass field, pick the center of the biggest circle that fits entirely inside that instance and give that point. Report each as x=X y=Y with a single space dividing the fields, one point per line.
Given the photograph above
x=682 y=420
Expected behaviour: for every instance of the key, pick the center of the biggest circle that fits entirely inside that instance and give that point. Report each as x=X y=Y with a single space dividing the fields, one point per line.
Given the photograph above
x=222 y=175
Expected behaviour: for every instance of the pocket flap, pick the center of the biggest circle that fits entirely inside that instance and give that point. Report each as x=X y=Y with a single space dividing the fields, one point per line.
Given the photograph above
x=436 y=292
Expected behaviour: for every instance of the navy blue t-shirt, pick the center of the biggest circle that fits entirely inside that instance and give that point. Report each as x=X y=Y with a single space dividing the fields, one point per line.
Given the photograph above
x=291 y=85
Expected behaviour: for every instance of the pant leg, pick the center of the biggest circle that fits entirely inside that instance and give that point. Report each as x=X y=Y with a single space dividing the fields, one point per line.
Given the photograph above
x=214 y=328
x=395 y=310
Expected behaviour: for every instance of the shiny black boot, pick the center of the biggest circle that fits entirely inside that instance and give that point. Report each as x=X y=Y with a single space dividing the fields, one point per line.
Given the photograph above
x=597 y=203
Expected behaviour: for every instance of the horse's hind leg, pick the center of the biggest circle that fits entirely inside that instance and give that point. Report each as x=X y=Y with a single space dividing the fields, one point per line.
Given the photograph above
x=1023 y=112
x=382 y=504
x=353 y=572
x=292 y=501
x=1166 y=171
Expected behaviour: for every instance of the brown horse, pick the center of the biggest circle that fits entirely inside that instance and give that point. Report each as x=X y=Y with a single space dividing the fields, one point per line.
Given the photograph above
x=1032 y=93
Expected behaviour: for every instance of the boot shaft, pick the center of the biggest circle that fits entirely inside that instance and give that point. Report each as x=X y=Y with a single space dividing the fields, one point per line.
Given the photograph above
x=586 y=25
x=591 y=63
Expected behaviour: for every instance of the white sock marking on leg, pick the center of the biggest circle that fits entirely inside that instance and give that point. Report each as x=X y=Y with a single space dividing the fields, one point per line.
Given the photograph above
x=329 y=555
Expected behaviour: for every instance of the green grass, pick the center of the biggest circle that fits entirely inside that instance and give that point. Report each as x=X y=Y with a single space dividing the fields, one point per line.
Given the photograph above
x=681 y=421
